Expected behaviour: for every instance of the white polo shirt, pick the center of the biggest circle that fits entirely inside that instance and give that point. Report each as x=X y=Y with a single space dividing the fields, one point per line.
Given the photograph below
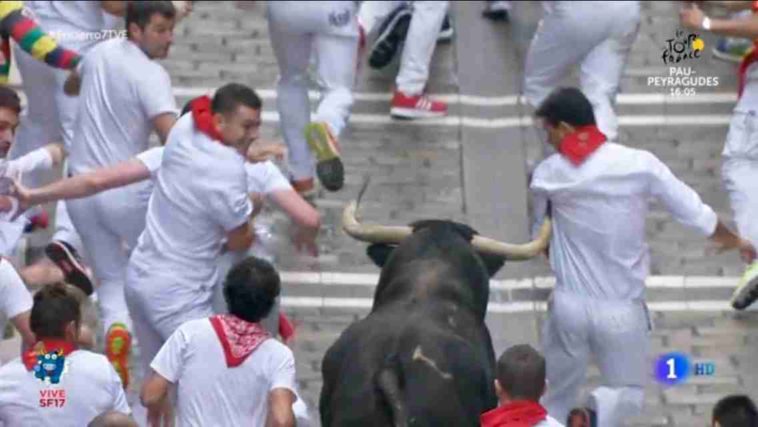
x=263 y=177
x=200 y=194
x=14 y=297
x=122 y=92
x=89 y=388
x=598 y=244
x=209 y=392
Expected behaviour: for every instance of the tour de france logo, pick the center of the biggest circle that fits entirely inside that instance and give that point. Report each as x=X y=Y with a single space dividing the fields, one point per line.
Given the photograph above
x=682 y=47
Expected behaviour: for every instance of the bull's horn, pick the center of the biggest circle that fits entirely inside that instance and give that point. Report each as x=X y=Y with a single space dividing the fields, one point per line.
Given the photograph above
x=370 y=232
x=512 y=251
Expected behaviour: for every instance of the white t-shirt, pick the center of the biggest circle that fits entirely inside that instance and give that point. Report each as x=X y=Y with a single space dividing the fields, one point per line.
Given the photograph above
x=78 y=25
x=37 y=160
x=210 y=393
x=549 y=422
x=200 y=194
x=89 y=387
x=263 y=177
x=122 y=91
x=14 y=297
x=598 y=247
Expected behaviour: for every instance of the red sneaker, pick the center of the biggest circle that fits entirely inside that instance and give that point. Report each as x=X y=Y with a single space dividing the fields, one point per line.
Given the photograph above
x=416 y=107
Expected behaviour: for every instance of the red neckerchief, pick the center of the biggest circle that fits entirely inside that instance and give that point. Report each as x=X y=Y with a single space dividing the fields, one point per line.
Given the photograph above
x=747 y=60
x=577 y=146
x=47 y=346
x=522 y=413
x=238 y=337
x=203 y=117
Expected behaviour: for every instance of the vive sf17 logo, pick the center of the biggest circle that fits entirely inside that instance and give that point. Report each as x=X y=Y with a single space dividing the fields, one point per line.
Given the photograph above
x=682 y=47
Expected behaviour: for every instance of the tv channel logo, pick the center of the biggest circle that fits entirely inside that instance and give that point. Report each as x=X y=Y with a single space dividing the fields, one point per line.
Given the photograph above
x=675 y=368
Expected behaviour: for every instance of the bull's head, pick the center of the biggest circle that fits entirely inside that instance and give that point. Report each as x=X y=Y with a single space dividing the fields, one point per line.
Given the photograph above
x=493 y=252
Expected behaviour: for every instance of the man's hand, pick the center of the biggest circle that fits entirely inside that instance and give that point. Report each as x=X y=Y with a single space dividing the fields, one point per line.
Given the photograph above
x=260 y=152
x=747 y=251
x=692 y=17
x=304 y=240
x=73 y=84
x=183 y=9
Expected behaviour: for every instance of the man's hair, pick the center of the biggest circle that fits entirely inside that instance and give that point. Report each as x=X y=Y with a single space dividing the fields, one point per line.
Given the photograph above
x=54 y=307
x=568 y=105
x=9 y=99
x=140 y=12
x=521 y=372
x=251 y=288
x=228 y=97
x=735 y=411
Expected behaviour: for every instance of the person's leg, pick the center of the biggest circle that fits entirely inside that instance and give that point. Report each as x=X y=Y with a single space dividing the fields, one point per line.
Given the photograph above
x=620 y=342
x=740 y=178
x=419 y=46
x=566 y=348
x=561 y=40
x=292 y=51
x=149 y=338
x=372 y=13
x=109 y=260
x=602 y=68
x=336 y=70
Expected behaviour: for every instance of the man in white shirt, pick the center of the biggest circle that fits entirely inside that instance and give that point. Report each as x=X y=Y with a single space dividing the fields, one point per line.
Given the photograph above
x=172 y=270
x=125 y=96
x=41 y=159
x=51 y=114
x=15 y=302
x=519 y=385
x=55 y=383
x=740 y=167
x=227 y=369
x=598 y=194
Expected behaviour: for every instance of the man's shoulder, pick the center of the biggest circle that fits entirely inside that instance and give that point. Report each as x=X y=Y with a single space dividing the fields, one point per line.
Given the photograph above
x=11 y=369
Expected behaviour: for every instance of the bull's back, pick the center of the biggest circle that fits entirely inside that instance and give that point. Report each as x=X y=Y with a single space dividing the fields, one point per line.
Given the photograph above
x=440 y=368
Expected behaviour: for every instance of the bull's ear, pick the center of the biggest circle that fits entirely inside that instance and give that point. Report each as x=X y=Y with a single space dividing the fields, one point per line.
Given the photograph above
x=493 y=263
x=379 y=253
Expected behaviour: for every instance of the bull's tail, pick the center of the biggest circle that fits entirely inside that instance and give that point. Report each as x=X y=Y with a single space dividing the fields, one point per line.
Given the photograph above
x=388 y=383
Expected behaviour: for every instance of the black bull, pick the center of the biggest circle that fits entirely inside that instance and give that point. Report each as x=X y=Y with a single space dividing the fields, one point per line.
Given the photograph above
x=424 y=355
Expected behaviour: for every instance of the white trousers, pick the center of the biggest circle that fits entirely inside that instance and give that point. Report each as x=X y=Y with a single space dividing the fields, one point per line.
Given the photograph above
x=109 y=224
x=616 y=333
x=418 y=48
x=297 y=30
x=740 y=173
x=597 y=36
x=50 y=117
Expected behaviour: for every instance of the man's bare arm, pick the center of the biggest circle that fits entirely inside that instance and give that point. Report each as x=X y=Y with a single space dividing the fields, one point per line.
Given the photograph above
x=21 y=323
x=241 y=238
x=693 y=17
x=280 y=412
x=163 y=124
x=114 y=7
x=84 y=185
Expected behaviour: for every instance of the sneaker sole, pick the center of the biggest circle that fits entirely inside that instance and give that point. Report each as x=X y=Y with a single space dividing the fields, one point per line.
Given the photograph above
x=411 y=113
x=73 y=272
x=385 y=48
x=329 y=168
x=742 y=299
x=117 y=348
